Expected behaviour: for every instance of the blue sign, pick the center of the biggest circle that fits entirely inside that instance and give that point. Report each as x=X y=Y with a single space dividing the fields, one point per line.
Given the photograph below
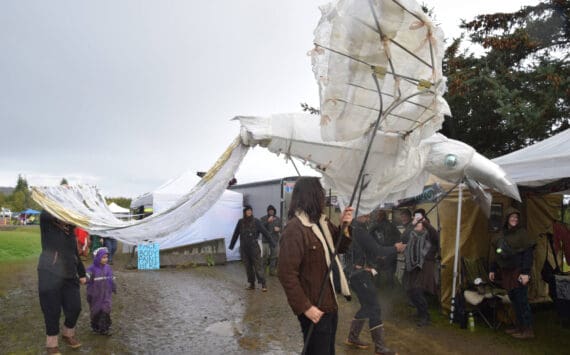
x=148 y=256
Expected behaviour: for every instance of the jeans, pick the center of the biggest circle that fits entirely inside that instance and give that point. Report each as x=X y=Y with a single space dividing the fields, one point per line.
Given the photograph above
x=362 y=284
x=111 y=245
x=519 y=299
x=323 y=336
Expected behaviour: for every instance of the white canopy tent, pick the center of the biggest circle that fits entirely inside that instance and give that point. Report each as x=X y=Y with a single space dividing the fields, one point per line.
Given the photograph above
x=217 y=222
x=540 y=163
x=116 y=209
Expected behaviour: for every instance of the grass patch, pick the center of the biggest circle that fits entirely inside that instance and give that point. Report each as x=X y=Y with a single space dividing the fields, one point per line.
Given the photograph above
x=20 y=243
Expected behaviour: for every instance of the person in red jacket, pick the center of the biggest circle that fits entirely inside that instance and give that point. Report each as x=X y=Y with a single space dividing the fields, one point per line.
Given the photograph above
x=83 y=242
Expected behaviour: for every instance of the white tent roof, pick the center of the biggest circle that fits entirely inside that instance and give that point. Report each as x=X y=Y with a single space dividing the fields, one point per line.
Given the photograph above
x=117 y=209
x=539 y=163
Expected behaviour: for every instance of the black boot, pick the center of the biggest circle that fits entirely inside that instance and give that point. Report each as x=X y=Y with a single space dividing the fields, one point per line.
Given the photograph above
x=377 y=334
x=251 y=286
x=355 y=329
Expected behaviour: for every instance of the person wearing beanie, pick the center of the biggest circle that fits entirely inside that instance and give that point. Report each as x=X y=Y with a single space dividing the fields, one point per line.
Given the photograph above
x=248 y=229
x=272 y=223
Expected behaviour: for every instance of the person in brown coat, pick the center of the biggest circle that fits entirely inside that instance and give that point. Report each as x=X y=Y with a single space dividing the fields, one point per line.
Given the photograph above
x=306 y=248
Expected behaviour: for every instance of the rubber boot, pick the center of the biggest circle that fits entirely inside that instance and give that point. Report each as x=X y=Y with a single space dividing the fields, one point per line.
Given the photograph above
x=377 y=334
x=355 y=329
x=68 y=336
x=51 y=345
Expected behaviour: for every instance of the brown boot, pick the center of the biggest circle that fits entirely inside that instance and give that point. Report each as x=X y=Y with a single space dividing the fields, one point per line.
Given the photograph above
x=51 y=345
x=526 y=333
x=68 y=337
x=355 y=329
x=378 y=338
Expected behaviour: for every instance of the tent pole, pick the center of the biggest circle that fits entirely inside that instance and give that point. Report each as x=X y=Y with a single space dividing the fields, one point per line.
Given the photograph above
x=456 y=255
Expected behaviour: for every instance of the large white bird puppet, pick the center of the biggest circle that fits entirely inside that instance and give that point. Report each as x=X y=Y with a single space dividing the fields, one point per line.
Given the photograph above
x=394 y=170
x=378 y=64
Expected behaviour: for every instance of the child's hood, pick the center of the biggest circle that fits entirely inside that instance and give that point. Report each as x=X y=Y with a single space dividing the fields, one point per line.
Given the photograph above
x=98 y=255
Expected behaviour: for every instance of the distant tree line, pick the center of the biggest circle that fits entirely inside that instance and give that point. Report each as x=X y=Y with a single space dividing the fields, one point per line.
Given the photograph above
x=20 y=198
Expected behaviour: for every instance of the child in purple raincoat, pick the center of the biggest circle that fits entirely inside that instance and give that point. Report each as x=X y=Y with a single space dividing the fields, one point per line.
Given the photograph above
x=100 y=285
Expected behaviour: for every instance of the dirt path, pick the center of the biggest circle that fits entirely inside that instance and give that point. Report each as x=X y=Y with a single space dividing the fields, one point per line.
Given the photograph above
x=206 y=310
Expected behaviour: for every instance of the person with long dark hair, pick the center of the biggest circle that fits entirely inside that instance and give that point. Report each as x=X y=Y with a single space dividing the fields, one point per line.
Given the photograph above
x=60 y=271
x=248 y=229
x=307 y=246
x=513 y=257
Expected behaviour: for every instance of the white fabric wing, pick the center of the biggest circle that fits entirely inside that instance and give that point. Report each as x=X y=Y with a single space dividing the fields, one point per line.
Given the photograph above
x=84 y=206
x=398 y=42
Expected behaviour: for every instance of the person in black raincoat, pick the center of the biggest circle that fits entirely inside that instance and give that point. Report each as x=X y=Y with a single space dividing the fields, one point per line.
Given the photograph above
x=248 y=229
x=386 y=234
x=361 y=260
x=272 y=223
x=60 y=272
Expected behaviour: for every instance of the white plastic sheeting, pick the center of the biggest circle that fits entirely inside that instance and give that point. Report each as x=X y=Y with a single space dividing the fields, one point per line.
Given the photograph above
x=394 y=170
x=218 y=222
x=540 y=163
x=85 y=207
x=398 y=42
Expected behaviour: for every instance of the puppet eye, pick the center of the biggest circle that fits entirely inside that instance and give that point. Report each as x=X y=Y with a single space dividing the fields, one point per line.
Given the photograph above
x=450 y=160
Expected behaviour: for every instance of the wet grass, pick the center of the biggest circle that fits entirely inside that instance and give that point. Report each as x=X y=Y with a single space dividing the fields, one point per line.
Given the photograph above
x=21 y=243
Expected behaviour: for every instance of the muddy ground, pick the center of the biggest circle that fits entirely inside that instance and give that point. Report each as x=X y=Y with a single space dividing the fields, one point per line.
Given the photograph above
x=206 y=310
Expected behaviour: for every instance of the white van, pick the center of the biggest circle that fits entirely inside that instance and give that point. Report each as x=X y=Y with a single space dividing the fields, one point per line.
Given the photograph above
x=5 y=212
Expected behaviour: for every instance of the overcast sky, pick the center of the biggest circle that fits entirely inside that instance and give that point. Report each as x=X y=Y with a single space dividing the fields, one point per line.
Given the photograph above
x=129 y=94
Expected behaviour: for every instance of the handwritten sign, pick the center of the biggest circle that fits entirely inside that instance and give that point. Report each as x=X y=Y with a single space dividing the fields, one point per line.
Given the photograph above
x=148 y=256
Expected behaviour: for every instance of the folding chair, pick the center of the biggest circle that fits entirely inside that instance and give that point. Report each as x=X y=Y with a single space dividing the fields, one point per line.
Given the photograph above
x=478 y=290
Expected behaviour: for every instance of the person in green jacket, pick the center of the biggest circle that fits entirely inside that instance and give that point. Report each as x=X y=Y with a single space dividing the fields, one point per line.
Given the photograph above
x=513 y=257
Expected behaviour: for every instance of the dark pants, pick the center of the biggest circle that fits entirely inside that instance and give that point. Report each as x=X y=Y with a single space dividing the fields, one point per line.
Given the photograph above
x=362 y=284
x=57 y=293
x=273 y=260
x=519 y=299
x=251 y=257
x=323 y=336
x=419 y=301
x=101 y=322
x=111 y=245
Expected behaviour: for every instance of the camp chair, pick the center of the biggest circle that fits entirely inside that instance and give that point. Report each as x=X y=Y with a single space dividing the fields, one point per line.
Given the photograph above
x=481 y=294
